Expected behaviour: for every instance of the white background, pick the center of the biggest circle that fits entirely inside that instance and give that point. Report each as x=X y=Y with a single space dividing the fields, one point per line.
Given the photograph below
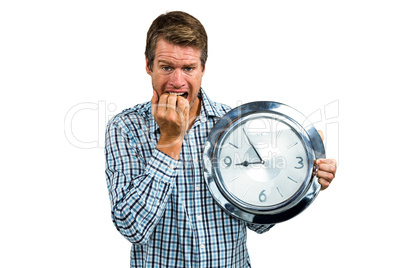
x=67 y=66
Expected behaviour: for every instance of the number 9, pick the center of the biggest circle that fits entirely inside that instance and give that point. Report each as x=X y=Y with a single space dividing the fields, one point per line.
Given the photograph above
x=228 y=161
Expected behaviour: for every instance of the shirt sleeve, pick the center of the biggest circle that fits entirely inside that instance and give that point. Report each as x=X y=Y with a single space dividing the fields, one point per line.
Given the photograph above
x=260 y=228
x=138 y=189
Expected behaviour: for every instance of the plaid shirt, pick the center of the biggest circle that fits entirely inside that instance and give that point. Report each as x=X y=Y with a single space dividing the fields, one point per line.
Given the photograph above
x=161 y=205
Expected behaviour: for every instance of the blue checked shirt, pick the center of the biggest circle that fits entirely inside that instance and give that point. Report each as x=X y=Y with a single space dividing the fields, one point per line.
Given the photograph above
x=161 y=205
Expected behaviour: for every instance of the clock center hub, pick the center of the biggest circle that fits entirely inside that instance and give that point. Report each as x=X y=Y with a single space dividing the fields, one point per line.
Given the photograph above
x=268 y=168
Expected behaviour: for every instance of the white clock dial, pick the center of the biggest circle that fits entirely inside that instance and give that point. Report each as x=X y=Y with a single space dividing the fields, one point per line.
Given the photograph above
x=262 y=161
x=259 y=162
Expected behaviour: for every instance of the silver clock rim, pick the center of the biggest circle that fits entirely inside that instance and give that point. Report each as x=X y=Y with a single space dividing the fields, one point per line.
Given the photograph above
x=256 y=214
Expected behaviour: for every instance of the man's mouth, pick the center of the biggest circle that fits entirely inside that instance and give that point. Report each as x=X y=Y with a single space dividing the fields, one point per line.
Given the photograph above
x=183 y=94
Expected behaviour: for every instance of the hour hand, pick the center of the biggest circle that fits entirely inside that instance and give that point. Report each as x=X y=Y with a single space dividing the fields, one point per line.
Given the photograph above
x=255 y=150
x=246 y=163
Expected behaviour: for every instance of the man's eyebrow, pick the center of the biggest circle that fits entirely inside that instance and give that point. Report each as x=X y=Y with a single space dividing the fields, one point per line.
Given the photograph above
x=165 y=62
x=170 y=63
x=192 y=64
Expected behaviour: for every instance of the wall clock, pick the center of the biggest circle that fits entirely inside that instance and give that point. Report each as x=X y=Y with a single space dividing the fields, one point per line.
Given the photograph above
x=259 y=162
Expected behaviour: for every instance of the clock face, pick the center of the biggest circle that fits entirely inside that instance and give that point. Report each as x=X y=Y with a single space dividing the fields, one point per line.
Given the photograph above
x=262 y=161
x=258 y=162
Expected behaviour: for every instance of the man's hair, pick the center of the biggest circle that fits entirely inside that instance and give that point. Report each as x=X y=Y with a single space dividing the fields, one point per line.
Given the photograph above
x=178 y=28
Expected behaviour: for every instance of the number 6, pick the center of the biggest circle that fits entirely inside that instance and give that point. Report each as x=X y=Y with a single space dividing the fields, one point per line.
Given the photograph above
x=262 y=196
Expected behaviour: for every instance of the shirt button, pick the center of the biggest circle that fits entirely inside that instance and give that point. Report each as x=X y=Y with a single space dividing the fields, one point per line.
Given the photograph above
x=202 y=246
x=198 y=217
x=197 y=188
x=171 y=166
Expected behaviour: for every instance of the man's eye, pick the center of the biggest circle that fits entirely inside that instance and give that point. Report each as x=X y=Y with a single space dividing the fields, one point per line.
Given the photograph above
x=188 y=69
x=166 y=68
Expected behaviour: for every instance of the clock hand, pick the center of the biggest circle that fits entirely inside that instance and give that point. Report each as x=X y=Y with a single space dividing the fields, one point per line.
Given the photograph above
x=246 y=163
x=249 y=141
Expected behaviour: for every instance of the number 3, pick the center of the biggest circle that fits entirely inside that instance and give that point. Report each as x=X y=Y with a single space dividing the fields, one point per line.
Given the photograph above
x=300 y=163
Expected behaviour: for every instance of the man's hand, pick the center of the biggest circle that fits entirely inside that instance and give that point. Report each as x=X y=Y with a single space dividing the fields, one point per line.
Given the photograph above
x=326 y=169
x=171 y=112
x=326 y=172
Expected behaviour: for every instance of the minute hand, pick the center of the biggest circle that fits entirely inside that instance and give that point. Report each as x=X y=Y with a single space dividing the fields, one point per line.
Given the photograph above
x=252 y=145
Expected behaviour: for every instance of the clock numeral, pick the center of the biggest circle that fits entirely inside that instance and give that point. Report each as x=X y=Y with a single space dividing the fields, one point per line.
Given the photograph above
x=227 y=161
x=262 y=197
x=301 y=165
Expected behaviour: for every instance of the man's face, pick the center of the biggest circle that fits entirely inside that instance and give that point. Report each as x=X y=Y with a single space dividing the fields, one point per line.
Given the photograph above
x=176 y=69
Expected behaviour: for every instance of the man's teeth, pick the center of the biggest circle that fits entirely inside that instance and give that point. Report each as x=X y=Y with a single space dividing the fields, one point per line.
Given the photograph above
x=177 y=94
x=183 y=94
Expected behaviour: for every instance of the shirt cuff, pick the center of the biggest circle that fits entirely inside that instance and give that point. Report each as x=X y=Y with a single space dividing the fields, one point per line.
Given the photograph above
x=163 y=166
x=260 y=228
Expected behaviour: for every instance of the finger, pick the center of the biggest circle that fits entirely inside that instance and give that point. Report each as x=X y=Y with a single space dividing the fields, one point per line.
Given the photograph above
x=162 y=103
x=182 y=104
x=326 y=161
x=183 y=108
x=171 y=102
x=326 y=168
x=321 y=134
x=326 y=172
x=160 y=107
x=154 y=102
x=324 y=184
x=328 y=176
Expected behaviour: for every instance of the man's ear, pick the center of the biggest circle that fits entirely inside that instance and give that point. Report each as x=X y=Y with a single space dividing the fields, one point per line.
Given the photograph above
x=149 y=71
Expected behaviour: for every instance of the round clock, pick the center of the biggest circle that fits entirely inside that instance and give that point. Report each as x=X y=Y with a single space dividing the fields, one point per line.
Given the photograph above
x=259 y=162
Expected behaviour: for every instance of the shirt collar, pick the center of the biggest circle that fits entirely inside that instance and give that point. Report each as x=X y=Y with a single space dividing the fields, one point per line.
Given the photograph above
x=208 y=108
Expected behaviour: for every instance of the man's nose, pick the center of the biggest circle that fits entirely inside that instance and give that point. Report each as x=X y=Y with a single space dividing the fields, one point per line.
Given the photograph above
x=177 y=79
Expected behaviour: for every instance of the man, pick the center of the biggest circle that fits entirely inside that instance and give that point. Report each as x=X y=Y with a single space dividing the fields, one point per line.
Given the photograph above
x=159 y=200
